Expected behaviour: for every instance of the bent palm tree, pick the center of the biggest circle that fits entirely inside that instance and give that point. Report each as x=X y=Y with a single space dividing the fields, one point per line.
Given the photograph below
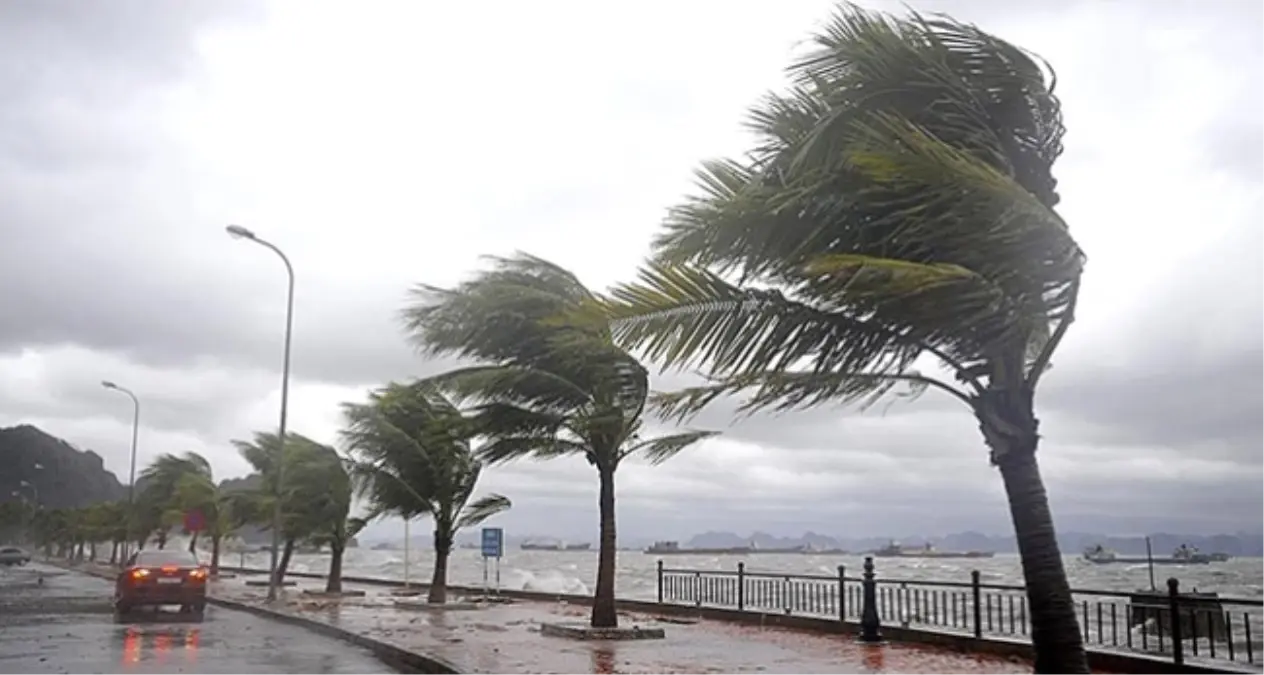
x=222 y=511
x=412 y=457
x=899 y=205
x=312 y=474
x=550 y=383
x=161 y=494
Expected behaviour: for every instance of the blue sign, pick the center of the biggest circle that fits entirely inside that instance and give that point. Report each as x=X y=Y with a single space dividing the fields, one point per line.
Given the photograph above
x=493 y=542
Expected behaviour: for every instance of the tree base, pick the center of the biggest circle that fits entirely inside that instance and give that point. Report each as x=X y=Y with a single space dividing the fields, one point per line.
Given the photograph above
x=491 y=599
x=436 y=606
x=406 y=592
x=583 y=631
x=311 y=592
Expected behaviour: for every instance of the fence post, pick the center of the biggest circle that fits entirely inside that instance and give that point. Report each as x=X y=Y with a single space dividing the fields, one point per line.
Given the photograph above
x=741 y=586
x=870 y=623
x=660 y=580
x=842 y=595
x=977 y=594
x=1174 y=609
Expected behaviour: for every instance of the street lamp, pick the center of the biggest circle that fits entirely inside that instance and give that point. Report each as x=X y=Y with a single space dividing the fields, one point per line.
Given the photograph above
x=239 y=232
x=131 y=475
x=34 y=490
x=35 y=501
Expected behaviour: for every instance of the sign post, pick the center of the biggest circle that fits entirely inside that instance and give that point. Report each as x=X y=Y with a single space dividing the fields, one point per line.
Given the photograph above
x=493 y=548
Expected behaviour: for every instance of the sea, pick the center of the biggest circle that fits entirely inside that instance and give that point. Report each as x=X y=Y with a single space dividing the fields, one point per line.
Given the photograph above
x=576 y=571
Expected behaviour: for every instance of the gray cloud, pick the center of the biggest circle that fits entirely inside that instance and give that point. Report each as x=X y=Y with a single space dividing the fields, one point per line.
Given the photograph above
x=114 y=264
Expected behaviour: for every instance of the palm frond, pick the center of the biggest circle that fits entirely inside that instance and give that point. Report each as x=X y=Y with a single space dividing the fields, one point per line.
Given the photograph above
x=660 y=449
x=782 y=391
x=688 y=316
x=501 y=448
x=481 y=509
x=531 y=387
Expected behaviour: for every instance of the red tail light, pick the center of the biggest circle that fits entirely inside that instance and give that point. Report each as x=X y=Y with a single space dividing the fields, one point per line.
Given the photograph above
x=199 y=573
x=140 y=573
x=170 y=568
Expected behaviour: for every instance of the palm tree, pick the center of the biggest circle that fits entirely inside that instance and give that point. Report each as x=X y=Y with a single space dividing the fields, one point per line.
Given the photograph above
x=160 y=496
x=337 y=534
x=898 y=207
x=222 y=511
x=412 y=457
x=321 y=485
x=548 y=383
x=309 y=468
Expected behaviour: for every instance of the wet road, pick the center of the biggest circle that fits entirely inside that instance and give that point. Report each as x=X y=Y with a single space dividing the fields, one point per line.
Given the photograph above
x=67 y=626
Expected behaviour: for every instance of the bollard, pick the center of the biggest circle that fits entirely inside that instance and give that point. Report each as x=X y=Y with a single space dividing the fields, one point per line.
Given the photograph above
x=660 y=581
x=870 y=623
x=977 y=593
x=842 y=594
x=741 y=586
x=1174 y=609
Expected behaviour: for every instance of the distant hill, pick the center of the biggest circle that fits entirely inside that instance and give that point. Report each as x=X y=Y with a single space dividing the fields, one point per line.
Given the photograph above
x=1242 y=543
x=69 y=477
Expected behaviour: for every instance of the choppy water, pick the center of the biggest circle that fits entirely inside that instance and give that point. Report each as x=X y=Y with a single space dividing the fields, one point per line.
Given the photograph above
x=576 y=572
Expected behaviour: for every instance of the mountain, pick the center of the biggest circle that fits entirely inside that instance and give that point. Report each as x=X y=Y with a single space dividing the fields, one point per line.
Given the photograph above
x=62 y=475
x=1238 y=544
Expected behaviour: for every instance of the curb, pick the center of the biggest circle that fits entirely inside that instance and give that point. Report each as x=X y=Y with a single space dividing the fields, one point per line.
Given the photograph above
x=400 y=659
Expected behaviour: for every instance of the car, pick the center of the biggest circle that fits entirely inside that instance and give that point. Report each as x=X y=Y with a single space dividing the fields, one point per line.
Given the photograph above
x=12 y=555
x=161 y=577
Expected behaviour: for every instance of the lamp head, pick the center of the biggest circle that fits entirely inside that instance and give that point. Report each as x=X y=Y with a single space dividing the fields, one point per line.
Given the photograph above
x=108 y=384
x=239 y=232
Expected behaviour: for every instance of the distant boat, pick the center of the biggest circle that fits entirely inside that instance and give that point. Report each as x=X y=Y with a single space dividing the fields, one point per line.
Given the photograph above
x=673 y=548
x=382 y=546
x=1183 y=555
x=894 y=550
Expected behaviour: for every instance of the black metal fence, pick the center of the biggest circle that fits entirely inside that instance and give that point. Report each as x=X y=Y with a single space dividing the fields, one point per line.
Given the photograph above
x=1207 y=629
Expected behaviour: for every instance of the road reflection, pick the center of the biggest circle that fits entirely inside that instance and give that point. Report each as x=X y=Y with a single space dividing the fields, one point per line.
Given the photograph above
x=603 y=660
x=157 y=644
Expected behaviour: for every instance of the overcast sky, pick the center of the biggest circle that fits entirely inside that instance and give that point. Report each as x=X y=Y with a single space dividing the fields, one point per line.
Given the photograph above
x=388 y=143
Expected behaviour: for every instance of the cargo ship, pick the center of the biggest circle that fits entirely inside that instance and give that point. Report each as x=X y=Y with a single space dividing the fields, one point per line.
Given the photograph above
x=1183 y=555
x=894 y=550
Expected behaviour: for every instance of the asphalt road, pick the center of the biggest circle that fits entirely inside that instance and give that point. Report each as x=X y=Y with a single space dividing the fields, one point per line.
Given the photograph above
x=66 y=625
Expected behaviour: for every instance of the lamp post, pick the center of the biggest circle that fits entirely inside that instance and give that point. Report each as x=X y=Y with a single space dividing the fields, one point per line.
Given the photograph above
x=131 y=473
x=239 y=232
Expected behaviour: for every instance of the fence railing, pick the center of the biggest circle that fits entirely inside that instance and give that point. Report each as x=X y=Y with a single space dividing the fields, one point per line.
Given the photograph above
x=1207 y=628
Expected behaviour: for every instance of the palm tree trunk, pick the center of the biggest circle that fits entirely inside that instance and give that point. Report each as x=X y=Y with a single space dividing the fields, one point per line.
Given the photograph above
x=1007 y=419
x=215 y=539
x=439 y=580
x=92 y=551
x=284 y=563
x=334 y=584
x=114 y=551
x=1055 y=631
x=604 y=614
x=193 y=543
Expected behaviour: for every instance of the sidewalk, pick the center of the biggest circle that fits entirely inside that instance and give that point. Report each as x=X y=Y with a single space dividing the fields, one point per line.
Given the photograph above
x=506 y=639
